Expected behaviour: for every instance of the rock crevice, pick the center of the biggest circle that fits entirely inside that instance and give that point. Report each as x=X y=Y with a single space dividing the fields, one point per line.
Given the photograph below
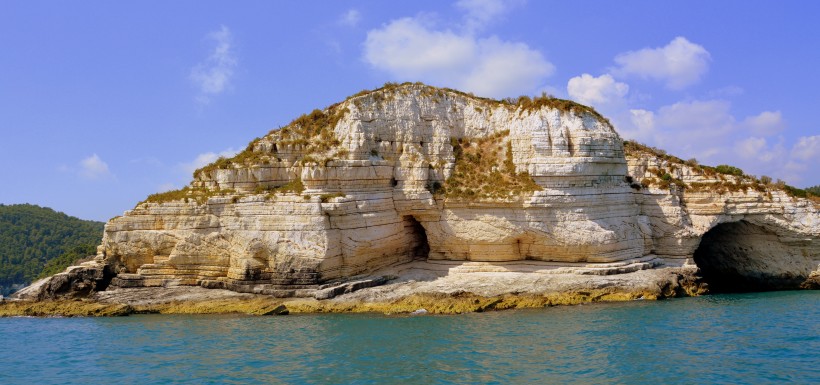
x=411 y=172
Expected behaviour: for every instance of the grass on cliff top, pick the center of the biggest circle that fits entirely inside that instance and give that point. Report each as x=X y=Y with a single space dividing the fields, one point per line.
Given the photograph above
x=311 y=135
x=742 y=181
x=522 y=103
x=187 y=194
x=484 y=168
x=201 y=195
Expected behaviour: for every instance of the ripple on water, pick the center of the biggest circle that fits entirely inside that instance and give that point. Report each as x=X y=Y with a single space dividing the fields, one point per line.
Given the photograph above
x=742 y=338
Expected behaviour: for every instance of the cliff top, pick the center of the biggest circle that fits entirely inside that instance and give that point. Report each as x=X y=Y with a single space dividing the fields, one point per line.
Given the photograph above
x=314 y=130
x=317 y=139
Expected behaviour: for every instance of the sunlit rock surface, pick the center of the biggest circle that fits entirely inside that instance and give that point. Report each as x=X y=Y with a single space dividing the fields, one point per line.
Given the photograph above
x=415 y=173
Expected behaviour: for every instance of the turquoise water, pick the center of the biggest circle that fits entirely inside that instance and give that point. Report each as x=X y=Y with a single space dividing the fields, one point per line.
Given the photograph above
x=746 y=338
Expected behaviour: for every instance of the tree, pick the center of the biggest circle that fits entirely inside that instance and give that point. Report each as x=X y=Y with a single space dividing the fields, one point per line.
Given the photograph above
x=31 y=236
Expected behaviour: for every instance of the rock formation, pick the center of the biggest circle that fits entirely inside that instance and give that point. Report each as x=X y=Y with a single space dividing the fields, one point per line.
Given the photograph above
x=416 y=173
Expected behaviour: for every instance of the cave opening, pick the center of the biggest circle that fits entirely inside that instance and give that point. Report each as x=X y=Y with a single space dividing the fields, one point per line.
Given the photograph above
x=418 y=245
x=743 y=257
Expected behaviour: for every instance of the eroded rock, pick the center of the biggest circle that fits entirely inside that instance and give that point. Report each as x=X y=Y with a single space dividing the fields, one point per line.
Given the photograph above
x=415 y=173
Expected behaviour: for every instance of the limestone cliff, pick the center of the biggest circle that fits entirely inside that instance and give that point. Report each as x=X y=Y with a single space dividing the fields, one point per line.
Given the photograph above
x=416 y=173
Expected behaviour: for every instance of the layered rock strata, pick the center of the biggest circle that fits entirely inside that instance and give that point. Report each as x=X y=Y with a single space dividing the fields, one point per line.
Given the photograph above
x=416 y=173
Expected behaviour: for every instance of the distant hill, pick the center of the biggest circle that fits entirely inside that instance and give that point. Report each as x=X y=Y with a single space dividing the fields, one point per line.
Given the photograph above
x=32 y=237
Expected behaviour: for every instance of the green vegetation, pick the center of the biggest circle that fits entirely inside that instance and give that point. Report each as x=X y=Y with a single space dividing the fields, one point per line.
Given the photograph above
x=311 y=139
x=169 y=196
x=729 y=170
x=665 y=180
x=186 y=194
x=32 y=236
x=740 y=182
x=811 y=193
x=327 y=197
x=311 y=133
x=295 y=186
x=484 y=169
x=525 y=103
x=71 y=257
x=635 y=148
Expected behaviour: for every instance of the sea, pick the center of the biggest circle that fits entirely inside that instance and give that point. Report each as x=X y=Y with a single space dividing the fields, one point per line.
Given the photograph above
x=754 y=338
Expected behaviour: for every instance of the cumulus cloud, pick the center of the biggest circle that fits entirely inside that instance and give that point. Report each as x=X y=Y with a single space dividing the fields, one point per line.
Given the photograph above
x=213 y=75
x=602 y=90
x=351 y=18
x=756 y=148
x=765 y=123
x=679 y=64
x=698 y=119
x=639 y=125
x=704 y=129
x=686 y=129
x=409 y=49
x=205 y=159
x=807 y=148
x=750 y=147
x=93 y=168
x=708 y=131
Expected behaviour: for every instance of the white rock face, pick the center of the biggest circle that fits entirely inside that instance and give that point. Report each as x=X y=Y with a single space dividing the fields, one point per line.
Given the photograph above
x=369 y=177
x=754 y=231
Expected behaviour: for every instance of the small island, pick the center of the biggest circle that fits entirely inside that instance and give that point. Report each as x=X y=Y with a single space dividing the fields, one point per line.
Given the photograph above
x=416 y=198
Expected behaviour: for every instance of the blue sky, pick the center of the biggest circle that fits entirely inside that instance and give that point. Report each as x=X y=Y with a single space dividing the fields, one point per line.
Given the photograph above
x=103 y=103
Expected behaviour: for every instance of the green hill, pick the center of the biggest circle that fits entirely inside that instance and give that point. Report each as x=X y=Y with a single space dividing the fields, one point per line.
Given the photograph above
x=33 y=238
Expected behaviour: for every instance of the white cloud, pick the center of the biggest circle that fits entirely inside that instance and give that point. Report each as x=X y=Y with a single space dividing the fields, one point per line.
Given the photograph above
x=686 y=129
x=640 y=125
x=93 y=168
x=758 y=149
x=213 y=75
x=750 y=147
x=708 y=131
x=679 y=64
x=602 y=90
x=480 y=13
x=205 y=159
x=807 y=148
x=408 y=49
x=697 y=119
x=351 y=18
x=765 y=123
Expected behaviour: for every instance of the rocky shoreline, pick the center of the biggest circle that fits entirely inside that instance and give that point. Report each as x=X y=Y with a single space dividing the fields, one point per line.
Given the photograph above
x=420 y=288
x=412 y=197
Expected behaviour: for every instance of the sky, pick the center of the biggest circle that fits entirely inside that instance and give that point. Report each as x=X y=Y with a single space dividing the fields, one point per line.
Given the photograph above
x=103 y=103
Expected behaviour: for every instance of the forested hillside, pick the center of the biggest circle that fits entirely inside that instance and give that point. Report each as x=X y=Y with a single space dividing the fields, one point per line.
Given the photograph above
x=31 y=236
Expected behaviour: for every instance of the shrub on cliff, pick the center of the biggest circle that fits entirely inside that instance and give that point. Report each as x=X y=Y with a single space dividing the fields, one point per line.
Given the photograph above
x=729 y=170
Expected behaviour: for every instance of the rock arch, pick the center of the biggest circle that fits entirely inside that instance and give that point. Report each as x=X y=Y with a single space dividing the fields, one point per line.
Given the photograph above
x=743 y=256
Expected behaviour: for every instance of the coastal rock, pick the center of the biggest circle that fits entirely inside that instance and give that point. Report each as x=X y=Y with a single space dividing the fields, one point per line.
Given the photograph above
x=415 y=175
x=76 y=281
